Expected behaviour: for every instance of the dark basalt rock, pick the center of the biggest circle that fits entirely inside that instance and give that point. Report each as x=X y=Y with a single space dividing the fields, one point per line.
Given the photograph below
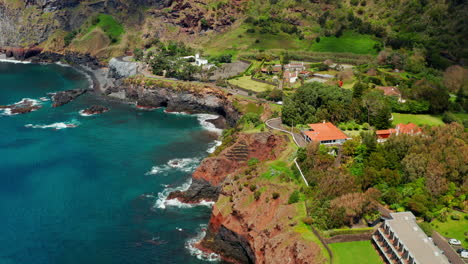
x=199 y=190
x=219 y=122
x=95 y=109
x=64 y=97
x=229 y=244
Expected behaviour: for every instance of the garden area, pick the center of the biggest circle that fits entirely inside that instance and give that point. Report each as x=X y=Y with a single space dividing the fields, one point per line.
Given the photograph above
x=359 y=252
x=419 y=120
x=454 y=226
x=245 y=82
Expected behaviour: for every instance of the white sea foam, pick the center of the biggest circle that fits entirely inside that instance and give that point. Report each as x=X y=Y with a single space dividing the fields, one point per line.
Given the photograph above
x=215 y=144
x=62 y=64
x=56 y=126
x=162 y=196
x=199 y=254
x=202 y=118
x=179 y=204
x=175 y=113
x=44 y=99
x=24 y=101
x=15 y=61
x=185 y=165
x=82 y=113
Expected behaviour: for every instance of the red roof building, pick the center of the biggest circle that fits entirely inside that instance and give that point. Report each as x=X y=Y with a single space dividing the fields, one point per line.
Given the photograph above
x=325 y=133
x=391 y=91
x=408 y=129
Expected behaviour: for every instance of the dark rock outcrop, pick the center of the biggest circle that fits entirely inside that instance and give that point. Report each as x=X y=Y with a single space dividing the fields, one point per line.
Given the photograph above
x=219 y=122
x=199 y=190
x=23 y=107
x=230 y=245
x=95 y=110
x=183 y=98
x=64 y=97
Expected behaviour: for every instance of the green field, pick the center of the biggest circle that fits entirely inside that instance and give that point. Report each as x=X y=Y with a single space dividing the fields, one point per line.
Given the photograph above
x=361 y=252
x=416 y=119
x=453 y=228
x=349 y=42
x=246 y=82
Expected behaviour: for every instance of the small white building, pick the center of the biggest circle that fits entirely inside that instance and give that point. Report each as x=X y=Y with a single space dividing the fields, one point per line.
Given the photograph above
x=199 y=61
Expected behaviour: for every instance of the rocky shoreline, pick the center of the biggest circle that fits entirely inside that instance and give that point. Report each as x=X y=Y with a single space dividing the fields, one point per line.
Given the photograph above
x=239 y=234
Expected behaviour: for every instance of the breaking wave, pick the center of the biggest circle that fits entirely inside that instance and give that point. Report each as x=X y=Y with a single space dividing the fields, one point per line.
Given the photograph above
x=185 y=165
x=162 y=196
x=15 y=61
x=216 y=144
x=56 y=126
x=203 y=119
x=198 y=253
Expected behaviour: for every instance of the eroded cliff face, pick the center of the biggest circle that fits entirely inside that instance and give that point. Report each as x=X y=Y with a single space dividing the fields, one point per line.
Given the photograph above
x=212 y=172
x=175 y=96
x=26 y=23
x=245 y=230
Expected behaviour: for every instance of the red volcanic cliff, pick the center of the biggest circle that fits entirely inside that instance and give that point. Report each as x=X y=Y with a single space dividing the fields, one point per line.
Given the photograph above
x=245 y=230
x=212 y=172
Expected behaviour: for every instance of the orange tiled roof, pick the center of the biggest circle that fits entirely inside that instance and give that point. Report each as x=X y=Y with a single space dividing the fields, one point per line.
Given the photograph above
x=386 y=131
x=389 y=90
x=408 y=128
x=325 y=131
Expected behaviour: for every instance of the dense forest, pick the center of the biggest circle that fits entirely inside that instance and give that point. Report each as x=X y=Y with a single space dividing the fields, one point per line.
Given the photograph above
x=425 y=173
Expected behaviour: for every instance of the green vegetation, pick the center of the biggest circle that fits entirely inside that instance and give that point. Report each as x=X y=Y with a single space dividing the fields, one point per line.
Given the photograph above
x=360 y=252
x=423 y=173
x=349 y=42
x=453 y=228
x=416 y=119
x=315 y=102
x=245 y=82
x=111 y=27
x=347 y=231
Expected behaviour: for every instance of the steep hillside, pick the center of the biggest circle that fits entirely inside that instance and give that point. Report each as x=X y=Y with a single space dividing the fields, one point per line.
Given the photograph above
x=236 y=26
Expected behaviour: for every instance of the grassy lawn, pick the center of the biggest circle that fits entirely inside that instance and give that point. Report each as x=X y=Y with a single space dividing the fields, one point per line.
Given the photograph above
x=453 y=228
x=349 y=42
x=417 y=119
x=246 y=83
x=360 y=252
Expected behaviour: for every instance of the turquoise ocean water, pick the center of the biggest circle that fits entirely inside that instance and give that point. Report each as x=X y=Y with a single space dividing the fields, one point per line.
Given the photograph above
x=93 y=193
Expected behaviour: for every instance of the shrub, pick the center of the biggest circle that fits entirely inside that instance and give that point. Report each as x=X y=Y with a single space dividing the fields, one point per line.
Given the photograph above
x=308 y=220
x=294 y=198
x=426 y=227
x=365 y=126
x=448 y=118
x=257 y=195
x=276 y=195
x=69 y=37
x=466 y=217
x=455 y=217
x=253 y=187
x=138 y=54
x=253 y=162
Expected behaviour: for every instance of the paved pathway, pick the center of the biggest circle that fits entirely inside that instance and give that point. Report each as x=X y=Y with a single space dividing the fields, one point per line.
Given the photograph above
x=277 y=124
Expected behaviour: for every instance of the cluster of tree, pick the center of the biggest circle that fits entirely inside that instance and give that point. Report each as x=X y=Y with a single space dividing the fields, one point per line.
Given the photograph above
x=424 y=89
x=425 y=174
x=272 y=25
x=315 y=102
x=165 y=59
